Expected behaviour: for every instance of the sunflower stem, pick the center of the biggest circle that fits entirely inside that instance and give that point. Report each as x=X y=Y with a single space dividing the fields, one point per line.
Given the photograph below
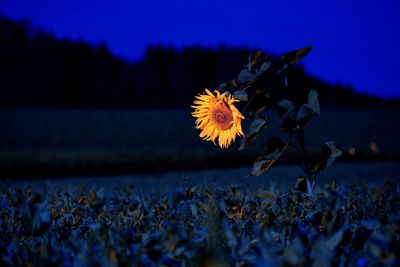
x=304 y=152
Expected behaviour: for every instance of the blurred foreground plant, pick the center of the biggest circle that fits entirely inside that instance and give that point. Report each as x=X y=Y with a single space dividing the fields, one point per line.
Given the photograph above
x=260 y=87
x=351 y=224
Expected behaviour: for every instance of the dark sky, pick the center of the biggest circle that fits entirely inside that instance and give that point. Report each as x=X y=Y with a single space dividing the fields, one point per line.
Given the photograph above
x=355 y=42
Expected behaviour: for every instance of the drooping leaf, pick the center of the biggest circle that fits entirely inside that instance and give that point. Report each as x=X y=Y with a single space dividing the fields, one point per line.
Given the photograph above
x=334 y=153
x=329 y=153
x=273 y=152
x=263 y=163
x=308 y=110
x=284 y=106
x=256 y=127
x=303 y=114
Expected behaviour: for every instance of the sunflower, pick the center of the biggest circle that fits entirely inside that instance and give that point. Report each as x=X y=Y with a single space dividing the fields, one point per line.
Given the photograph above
x=217 y=117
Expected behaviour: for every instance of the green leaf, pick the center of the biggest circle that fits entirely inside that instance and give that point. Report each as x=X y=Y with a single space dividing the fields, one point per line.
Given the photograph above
x=287 y=111
x=334 y=153
x=313 y=102
x=304 y=113
x=241 y=95
x=310 y=109
x=329 y=154
x=245 y=76
x=259 y=124
x=265 y=66
x=284 y=107
x=282 y=69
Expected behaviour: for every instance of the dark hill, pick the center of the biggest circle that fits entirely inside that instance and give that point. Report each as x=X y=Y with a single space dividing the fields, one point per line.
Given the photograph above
x=39 y=70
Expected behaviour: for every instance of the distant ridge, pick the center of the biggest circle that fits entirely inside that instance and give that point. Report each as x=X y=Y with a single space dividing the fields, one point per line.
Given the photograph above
x=39 y=70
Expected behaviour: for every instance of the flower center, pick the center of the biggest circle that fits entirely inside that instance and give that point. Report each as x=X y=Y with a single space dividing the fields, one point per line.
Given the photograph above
x=222 y=117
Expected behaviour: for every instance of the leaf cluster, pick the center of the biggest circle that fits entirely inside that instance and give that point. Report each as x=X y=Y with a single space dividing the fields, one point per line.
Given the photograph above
x=261 y=87
x=194 y=226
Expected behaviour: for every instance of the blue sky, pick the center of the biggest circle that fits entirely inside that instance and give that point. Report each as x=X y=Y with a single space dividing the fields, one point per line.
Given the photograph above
x=355 y=42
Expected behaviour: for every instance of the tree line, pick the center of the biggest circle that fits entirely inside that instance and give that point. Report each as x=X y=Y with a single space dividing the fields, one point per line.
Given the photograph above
x=39 y=70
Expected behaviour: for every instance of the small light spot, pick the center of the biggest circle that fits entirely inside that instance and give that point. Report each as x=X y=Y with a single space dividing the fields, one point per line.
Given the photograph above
x=374 y=148
x=352 y=151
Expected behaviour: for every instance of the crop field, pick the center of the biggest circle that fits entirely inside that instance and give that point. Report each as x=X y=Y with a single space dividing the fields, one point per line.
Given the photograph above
x=189 y=222
x=198 y=213
x=154 y=140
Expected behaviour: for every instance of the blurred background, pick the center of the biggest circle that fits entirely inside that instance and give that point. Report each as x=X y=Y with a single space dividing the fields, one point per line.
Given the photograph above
x=105 y=87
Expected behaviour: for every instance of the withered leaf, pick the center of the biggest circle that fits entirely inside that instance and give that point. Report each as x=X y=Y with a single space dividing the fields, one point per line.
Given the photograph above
x=255 y=58
x=273 y=151
x=262 y=164
x=294 y=56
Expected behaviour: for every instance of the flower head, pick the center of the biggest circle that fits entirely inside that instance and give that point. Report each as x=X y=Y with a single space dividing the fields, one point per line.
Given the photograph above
x=217 y=117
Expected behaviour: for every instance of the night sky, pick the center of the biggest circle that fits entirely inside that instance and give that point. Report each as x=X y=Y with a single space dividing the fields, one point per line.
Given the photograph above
x=355 y=42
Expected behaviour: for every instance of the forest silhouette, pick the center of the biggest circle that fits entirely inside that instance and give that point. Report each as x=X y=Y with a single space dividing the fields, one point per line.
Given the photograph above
x=39 y=70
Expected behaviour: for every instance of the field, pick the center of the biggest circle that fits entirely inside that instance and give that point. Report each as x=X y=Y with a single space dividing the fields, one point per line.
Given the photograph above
x=176 y=220
x=163 y=197
x=73 y=142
